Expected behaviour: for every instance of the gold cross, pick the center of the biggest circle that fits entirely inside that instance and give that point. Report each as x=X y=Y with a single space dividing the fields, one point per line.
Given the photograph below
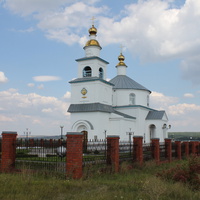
x=93 y=18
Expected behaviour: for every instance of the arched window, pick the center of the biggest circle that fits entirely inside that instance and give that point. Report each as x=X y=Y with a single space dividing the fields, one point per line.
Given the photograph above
x=100 y=73
x=132 y=99
x=147 y=100
x=87 y=72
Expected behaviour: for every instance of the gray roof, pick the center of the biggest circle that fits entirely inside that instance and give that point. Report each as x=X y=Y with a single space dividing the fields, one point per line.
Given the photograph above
x=124 y=115
x=124 y=82
x=92 y=58
x=96 y=107
x=154 y=114
x=87 y=79
x=90 y=107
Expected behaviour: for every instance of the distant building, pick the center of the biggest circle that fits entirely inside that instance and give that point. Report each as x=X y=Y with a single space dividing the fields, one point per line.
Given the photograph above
x=116 y=107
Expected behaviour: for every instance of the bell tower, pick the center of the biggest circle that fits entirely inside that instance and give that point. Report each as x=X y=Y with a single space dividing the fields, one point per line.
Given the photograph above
x=92 y=65
x=91 y=85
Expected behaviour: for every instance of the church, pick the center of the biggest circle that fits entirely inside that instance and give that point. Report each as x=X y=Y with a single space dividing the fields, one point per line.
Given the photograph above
x=116 y=107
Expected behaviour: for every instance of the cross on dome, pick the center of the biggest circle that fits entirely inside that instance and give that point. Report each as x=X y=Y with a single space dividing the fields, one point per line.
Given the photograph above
x=93 y=18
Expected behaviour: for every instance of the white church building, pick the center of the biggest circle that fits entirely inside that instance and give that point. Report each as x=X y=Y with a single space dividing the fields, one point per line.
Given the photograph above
x=116 y=107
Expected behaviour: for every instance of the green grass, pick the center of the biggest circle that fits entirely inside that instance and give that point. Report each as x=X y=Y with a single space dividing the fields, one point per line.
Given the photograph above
x=137 y=184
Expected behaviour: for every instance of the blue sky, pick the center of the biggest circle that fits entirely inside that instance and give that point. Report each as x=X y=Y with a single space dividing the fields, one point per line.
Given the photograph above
x=40 y=40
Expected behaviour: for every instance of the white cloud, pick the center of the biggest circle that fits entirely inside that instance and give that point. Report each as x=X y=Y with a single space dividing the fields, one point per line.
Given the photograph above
x=182 y=116
x=5 y=119
x=188 y=95
x=183 y=109
x=3 y=78
x=24 y=7
x=28 y=30
x=40 y=87
x=30 y=84
x=154 y=30
x=46 y=78
x=32 y=110
x=190 y=69
x=67 y=95
x=47 y=110
x=160 y=101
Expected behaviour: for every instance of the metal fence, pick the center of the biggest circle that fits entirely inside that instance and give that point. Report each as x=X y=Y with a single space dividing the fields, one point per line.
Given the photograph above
x=125 y=151
x=96 y=152
x=50 y=155
x=47 y=155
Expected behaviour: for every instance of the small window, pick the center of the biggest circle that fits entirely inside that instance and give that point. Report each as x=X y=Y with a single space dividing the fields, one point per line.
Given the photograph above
x=87 y=72
x=100 y=73
x=132 y=99
x=147 y=100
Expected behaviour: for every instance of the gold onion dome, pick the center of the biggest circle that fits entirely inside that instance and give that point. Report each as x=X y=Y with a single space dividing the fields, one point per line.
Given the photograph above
x=92 y=30
x=92 y=42
x=121 y=59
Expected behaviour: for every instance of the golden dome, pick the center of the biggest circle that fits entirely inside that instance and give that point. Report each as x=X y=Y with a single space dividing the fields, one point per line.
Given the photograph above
x=92 y=42
x=121 y=59
x=92 y=30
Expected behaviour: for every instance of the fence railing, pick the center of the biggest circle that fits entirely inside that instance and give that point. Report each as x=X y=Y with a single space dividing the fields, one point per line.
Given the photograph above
x=48 y=155
x=71 y=156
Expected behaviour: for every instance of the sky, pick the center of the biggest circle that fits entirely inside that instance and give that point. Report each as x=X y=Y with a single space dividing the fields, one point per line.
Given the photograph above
x=41 y=39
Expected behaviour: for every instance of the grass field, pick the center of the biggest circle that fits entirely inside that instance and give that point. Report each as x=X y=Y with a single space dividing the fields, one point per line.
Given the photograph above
x=137 y=184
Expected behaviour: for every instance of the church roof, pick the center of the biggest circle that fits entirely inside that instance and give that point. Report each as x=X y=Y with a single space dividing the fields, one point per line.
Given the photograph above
x=124 y=82
x=90 y=107
x=87 y=79
x=96 y=107
x=92 y=58
x=154 y=114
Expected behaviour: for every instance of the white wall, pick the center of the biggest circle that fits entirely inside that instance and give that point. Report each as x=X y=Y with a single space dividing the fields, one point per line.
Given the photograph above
x=97 y=91
x=121 y=97
x=94 y=64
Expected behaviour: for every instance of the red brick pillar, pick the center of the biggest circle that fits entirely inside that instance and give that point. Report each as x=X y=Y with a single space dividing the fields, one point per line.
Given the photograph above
x=156 y=149
x=31 y=142
x=178 y=149
x=195 y=145
x=199 y=149
x=74 y=155
x=168 y=149
x=138 y=149
x=42 y=142
x=113 y=152
x=187 y=151
x=8 y=151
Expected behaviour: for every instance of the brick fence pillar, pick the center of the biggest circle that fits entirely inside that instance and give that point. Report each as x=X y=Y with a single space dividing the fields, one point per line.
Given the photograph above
x=195 y=145
x=74 y=155
x=168 y=149
x=187 y=151
x=31 y=142
x=8 y=151
x=178 y=149
x=156 y=149
x=199 y=149
x=113 y=152
x=138 y=149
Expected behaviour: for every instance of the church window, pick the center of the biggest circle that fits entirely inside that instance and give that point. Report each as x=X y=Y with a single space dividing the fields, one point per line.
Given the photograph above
x=87 y=72
x=132 y=99
x=148 y=100
x=100 y=73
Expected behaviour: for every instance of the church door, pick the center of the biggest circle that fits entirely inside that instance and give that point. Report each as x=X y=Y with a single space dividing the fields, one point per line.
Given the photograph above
x=152 y=128
x=85 y=140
